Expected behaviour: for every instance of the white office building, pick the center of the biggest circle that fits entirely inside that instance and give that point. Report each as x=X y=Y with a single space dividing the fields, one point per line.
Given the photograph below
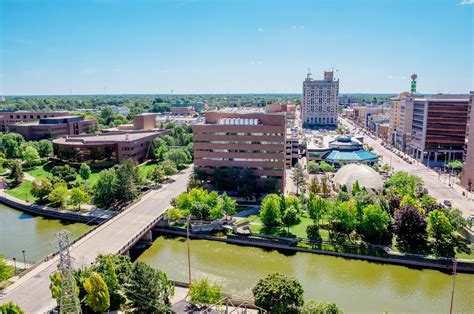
x=320 y=101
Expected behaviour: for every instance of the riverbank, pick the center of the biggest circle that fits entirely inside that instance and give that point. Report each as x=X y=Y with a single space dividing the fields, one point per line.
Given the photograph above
x=93 y=217
x=445 y=265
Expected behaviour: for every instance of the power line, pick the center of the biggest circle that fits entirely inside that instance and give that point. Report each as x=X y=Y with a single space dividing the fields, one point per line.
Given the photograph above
x=69 y=302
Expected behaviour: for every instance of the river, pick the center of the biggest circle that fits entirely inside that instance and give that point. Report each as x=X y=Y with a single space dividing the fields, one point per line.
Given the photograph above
x=355 y=286
x=35 y=235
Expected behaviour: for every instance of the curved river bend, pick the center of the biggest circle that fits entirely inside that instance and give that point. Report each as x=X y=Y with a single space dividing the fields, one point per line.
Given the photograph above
x=356 y=286
x=36 y=235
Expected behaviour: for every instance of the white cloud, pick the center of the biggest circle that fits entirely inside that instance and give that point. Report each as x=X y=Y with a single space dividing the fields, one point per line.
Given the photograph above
x=466 y=2
x=260 y=30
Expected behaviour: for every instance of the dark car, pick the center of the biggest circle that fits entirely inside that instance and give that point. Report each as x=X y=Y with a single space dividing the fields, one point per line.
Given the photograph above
x=447 y=203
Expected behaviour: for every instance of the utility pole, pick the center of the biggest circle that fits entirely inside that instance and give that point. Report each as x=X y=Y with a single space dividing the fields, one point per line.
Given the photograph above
x=455 y=264
x=189 y=253
x=69 y=302
x=24 y=258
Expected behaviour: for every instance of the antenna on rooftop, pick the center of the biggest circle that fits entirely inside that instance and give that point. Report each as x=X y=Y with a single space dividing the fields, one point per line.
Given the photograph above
x=309 y=73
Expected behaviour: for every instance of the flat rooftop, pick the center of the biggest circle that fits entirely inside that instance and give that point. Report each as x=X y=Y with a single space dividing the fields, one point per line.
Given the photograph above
x=105 y=138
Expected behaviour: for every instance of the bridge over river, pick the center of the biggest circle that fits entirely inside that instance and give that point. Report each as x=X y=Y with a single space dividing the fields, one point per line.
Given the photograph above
x=117 y=235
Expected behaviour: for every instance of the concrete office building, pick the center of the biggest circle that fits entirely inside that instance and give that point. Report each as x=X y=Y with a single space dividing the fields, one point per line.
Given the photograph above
x=8 y=118
x=467 y=175
x=320 y=101
x=183 y=111
x=439 y=128
x=403 y=132
x=395 y=113
x=254 y=141
x=53 y=127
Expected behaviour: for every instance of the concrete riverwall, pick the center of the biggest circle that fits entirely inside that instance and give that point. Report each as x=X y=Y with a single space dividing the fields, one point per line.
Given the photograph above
x=44 y=211
x=442 y=264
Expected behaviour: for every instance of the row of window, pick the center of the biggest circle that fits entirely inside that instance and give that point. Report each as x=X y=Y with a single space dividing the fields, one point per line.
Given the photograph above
x=240 y=133
x=244 y=159
x=242 y=142
x=240 y=151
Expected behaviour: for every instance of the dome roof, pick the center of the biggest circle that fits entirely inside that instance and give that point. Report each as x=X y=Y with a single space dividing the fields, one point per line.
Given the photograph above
x=367 y=177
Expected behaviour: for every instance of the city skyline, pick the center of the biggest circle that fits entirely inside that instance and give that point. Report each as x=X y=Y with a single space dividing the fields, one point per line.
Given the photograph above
x=211 y=47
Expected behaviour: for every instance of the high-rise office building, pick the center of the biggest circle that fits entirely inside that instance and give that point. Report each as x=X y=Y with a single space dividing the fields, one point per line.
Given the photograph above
x=439 y=128
x=253 y=141
x=320 y=101
x=467 y=175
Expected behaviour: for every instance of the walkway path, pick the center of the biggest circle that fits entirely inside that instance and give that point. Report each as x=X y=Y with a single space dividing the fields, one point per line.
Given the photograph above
x=31 y=291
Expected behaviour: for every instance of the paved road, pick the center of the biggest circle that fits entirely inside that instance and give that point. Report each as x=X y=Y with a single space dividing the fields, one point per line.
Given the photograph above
x=32 y=293
x=438 y=189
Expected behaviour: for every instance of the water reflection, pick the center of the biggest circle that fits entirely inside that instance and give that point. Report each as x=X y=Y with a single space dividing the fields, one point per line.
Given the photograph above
x=357 y=286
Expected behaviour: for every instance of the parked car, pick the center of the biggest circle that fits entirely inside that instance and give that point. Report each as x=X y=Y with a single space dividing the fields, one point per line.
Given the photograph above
x=447 y=203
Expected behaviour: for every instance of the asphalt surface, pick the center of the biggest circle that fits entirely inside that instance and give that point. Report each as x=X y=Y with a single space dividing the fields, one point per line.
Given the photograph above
x=32 y=292
x=437 y=187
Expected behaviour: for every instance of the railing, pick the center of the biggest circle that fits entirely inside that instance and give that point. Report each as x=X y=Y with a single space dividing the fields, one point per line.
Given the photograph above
x=237 y=306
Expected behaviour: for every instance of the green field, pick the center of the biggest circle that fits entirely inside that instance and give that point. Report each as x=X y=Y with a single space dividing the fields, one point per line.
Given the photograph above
x=22 y=191
x=44 y=171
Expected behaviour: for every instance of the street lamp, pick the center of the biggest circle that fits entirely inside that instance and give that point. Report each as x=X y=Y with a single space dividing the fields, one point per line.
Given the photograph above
x=189 y=250
x=14 y=263
x=24 y=258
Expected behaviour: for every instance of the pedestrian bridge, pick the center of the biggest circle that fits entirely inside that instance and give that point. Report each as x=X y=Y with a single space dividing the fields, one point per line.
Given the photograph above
x=115 y=236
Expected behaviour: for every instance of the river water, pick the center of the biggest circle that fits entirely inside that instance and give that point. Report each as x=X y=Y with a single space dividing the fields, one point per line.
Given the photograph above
x=36 y=235
x=355 y=286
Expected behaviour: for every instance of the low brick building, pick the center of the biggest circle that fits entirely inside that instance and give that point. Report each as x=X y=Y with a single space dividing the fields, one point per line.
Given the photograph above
x=8 y=118
x=183 y=111
x=117 y=146
x=53 y=127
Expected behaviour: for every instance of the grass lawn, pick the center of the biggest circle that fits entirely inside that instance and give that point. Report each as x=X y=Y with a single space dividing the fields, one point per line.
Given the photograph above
x=40 y=171
x=44 y=171
x=147 y=166
x=22 y=192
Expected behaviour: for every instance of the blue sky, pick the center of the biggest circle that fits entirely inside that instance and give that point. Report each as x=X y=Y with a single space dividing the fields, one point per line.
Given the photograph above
x=234 y=46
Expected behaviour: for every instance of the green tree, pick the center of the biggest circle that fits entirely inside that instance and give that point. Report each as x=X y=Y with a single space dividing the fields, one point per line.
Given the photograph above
x=31 y=156
x=312 y=232
x=404 y=183
x=343 y=218
x=45 y=148
x=148 y=290
x=65 y=173
x=313 y=167
x=317 y=207
x=58 y=195
x=16 y=173
x=313 y=307
x=270 y=211
x=55 y=288
x=127 y=183
x=440 y=229
x=169 y=167
x=6 y=271
x=104 y=189
x=277 y=293
x=325 y=167
x=40 y=188
x=355 y=188
x=201 y=292
x=179 y=157
x=11 y=308
x=160 y=152
x=85 y=171
x=156 y=175
x=79 y=197
x=455 y=164
x=174 y=214
x=374 y=223
x=314 y=186
x=228 y=204
x=97 y=297
x=299 y=177
x=290 y=217
x=325 y=189
x=386 y=167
